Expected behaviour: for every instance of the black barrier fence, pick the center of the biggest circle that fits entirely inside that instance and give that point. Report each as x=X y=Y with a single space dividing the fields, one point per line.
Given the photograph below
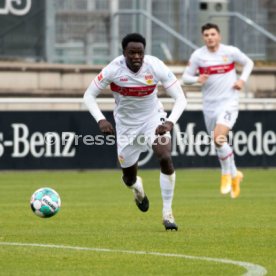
x=71 y=140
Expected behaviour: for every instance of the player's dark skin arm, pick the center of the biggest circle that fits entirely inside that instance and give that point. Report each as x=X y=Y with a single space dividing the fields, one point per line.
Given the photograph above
x=106 y=127
x=162 y=129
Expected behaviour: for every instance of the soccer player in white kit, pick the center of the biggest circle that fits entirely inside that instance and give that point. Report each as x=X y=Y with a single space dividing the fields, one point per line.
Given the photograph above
x=215 y=63
x=140 y=120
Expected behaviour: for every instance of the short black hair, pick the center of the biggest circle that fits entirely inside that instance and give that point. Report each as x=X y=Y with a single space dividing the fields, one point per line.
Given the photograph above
x=208 y=26
x=133 y=37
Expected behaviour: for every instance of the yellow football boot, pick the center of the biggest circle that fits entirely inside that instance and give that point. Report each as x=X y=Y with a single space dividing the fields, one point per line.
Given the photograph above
x=235 y=191
x=225 y=184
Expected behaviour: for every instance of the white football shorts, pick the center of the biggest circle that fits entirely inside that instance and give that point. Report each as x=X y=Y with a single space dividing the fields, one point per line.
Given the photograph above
x=225 y=116
x=131 y=142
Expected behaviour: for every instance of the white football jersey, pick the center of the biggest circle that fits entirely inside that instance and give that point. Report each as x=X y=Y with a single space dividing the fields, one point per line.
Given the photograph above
x=220 y=66
x=135 y=93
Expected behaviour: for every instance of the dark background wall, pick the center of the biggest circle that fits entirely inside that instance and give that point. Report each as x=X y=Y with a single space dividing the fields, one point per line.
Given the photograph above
x=55 y=140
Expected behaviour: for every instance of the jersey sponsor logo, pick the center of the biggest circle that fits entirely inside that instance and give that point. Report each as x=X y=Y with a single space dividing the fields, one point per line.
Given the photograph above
x=149 y=79
x=124 y=79
x=217 y=69
x=149 y=82
x=100 y=77
x=225 y=59
x=137 y=91
x=121 y=159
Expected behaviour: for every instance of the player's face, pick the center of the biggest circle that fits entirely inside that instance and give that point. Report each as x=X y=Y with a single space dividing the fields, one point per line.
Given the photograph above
x=134 y=55
x=211 y=39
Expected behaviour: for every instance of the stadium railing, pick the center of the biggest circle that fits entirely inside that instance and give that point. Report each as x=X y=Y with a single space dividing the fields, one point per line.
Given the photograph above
x=107 y=104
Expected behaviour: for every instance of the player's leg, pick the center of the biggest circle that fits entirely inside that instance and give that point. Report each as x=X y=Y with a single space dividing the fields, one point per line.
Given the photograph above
x=162 y=150
x=134 y=182
x=128 y=155
x=130 y=175
x=228 y=119
x=218 y=131
x=224 y=153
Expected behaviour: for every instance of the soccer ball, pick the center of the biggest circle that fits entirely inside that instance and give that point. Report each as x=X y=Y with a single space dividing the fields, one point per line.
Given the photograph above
x=45 y=202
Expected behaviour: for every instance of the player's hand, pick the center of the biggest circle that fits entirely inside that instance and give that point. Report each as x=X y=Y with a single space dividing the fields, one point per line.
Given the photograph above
x=162 y=129
x=203 y=78
x=106 y=127
x=238 y=85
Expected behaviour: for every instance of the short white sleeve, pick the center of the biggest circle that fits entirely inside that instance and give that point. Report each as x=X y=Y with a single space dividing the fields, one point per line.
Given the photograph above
x=104 y=78
x=238 y=55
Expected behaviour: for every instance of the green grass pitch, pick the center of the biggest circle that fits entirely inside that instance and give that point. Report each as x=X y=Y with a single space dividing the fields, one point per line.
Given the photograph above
x=98 y=211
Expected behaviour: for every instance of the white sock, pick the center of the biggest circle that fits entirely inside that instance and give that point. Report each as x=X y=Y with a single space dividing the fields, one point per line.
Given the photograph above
x=233 y=166
x=167 y=183
x=138 y=186
x=224 y=154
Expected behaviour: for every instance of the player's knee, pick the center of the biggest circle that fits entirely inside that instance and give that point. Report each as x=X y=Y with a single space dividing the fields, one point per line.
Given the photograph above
x=129 y=180
x=219 y=139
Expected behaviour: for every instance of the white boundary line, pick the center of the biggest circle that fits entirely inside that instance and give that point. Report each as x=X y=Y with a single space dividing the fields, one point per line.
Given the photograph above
x=252 y=269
